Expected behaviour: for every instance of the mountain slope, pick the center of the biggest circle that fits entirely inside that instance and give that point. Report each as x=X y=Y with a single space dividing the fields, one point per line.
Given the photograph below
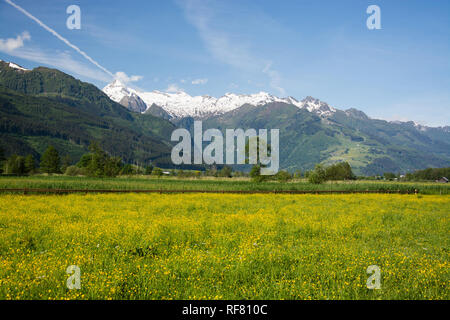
x=370 y=146
x=46 y=106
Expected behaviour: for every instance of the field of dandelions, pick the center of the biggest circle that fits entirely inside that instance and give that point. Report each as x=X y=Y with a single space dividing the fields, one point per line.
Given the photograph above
x=224 y=246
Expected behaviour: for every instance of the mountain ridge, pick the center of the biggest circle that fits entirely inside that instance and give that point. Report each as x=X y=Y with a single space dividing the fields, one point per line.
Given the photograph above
x=46 y=106
x=181 y=105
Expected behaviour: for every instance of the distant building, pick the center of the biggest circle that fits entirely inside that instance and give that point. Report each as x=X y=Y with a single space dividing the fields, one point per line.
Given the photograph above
x=442 y=180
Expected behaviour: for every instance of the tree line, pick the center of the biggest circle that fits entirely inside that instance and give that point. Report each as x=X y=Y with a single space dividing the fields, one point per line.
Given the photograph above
x=98 y=163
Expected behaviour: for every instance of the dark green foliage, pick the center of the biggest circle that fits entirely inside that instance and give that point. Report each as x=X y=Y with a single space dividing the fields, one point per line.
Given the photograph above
x=255 y=174
x=2 y=158
x=430 y=174
x=84 y=160
x=30 y=164
x=50 y=161
x=127 y=169
x=15 y=165
x=339 y=171
x=66 y=162
x=226 y=171
x=148 y=170
x=283 y=176
x=99 y=163
x=389 y=176
x=73 y=171
x=157 y=172
x=318 y=176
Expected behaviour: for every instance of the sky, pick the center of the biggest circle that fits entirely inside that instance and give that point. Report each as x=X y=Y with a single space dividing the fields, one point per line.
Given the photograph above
x=298 y=48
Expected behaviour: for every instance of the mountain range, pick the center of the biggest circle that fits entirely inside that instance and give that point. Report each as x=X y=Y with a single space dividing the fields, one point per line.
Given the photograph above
x=311 y=131
x=45 y=106
x=181 y=105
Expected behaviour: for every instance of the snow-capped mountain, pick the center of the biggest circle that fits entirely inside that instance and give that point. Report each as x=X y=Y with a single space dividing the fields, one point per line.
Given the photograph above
x=129 y=98
x=180 y=104
x=15 y=66
x=315 y=105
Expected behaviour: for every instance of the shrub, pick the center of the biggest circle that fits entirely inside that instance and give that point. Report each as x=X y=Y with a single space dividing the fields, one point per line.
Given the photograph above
x=157 y=172
x=283 y=176
x=73 y=171
x=318 y=176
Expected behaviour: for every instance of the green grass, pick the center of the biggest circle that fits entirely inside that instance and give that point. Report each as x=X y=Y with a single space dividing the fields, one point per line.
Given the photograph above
x=215 y=246
x=166 y=183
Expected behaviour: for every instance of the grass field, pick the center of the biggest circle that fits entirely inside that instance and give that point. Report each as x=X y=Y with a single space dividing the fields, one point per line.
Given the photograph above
x=166 y=183
x=215 y=246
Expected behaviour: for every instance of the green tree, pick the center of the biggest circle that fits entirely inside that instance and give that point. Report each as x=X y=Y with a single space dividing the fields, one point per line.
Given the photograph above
x=98 y=163
x=318 y=176
x=389 y=175
x=15 y=165
x=340 y=171
x=30 y=165
x=148 y=170
x=96 y=166
x=127 y=169
x=113 y=166
x=50 y=161
x=66 y=162
x=226 y=171
x=2 y=158
x=157 y=172
x=255 y=174
x=84 y=160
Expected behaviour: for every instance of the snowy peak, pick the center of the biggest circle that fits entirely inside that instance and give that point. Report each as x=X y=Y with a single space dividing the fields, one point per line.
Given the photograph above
x=180 y=104
x=15 y=66
x=315 y=105
x=116 y=91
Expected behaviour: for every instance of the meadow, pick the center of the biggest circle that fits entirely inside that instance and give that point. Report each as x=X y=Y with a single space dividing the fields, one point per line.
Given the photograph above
x=224 y=246
x=214 y=184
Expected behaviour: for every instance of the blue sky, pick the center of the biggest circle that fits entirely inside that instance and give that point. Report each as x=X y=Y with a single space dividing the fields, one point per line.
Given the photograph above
x=287 y=48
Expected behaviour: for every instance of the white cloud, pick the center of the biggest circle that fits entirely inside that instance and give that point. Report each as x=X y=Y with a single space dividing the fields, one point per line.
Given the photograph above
x=200 y=81
x=11 y=44
x=57 y=35
x=275 y=78
x=223 y=47
x=173 y=88
x=60 y=60
x=124 y=78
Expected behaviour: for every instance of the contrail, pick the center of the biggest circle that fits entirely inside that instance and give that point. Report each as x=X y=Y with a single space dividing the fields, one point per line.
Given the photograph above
x=56 y=34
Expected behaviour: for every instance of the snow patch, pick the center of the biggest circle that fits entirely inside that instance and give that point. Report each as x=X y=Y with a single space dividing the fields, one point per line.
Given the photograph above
x=180 y=104
x=15 y=66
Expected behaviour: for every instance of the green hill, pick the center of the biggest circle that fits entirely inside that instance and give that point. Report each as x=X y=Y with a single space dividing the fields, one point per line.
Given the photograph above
x=370 y=146
x=46 y=106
